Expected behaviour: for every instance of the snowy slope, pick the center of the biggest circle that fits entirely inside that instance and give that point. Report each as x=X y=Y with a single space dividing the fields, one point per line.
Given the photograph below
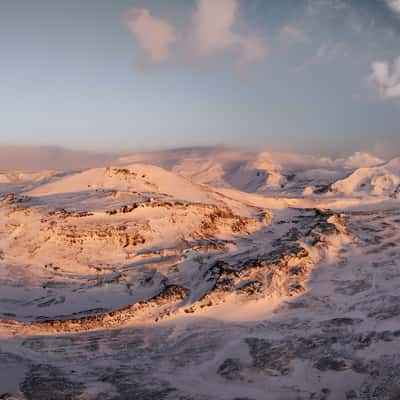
x=81 y=231
x=383 y=180
x=140 y=281
x=253 y=171
x=131 y=178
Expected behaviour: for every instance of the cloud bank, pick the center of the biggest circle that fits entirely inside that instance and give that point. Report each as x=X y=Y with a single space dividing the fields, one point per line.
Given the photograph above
x=212 y=33
x=386 y=78
x=31 y=158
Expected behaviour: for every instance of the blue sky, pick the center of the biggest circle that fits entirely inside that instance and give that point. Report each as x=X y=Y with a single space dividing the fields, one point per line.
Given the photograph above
x=306 y=75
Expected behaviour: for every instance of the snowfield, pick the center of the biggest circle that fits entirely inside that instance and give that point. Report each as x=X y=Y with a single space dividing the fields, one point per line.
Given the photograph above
x=202 y=274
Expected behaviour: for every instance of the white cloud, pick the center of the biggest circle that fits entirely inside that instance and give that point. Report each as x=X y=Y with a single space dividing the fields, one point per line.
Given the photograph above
x=253 y=50
x=291 y=35
x=394 y=5
x=153 y=35
x=327 y=53
x=316 y=7
x=386 y=78
x=214 y=23
x=211 y=33
x=361 y=159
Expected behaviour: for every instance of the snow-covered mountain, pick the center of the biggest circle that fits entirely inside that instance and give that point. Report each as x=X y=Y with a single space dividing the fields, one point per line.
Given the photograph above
x=260 y=172
x=382 y=180
x=93 y=224
x=201 y=274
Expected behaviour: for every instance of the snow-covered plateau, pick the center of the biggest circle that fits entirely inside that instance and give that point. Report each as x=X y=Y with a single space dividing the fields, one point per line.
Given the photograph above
x=202 y=274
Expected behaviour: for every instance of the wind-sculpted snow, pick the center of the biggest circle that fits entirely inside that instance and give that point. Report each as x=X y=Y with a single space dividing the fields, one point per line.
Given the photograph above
x=132 y=282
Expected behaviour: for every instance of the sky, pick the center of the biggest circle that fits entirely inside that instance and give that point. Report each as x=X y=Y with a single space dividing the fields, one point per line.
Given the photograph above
x=125 y=75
